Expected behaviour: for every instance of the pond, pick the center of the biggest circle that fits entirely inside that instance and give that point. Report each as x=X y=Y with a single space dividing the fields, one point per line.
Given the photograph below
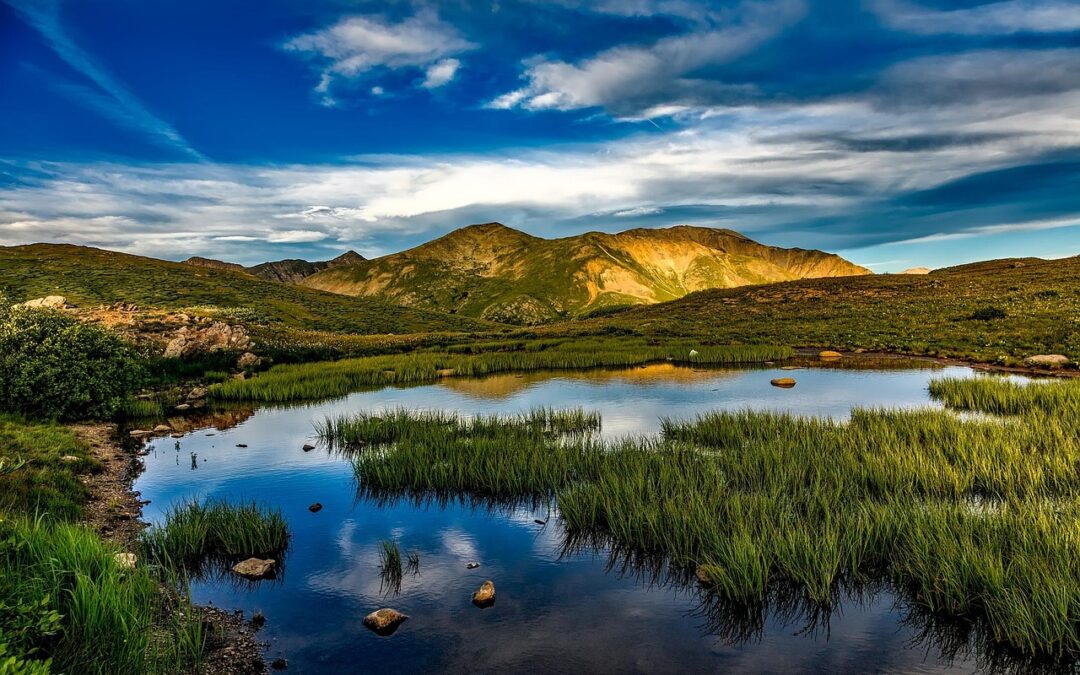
x=557 y=609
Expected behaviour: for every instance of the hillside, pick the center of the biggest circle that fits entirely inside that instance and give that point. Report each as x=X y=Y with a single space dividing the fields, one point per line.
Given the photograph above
x=985 y=310
x=89 y=276
x=495 y=272
x=289 y=271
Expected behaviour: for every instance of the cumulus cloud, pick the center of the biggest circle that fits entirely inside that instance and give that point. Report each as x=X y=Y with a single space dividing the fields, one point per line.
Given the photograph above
x=356 y=45
x=627 y=80
x=995 y=18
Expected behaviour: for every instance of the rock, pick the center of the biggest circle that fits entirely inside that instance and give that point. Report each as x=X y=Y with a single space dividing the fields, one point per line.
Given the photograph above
x=279 y=664
x=916 y=270
x=162 y=429
x=472 y=565
x=254 y=568
x=789 y=367
x=139 y=433
x=485 y=597
x=208 y=336
x=829 y=354
x=197 y=392
x=241 y=445
x=445 y=372
x=539 y=522
x=315 y=508
x=693 y=353
x=48 y=302
x=783 y=382
x=384 y=621
x=125 y=561
x=182 y=407
x=702 y=575
x=1047 y=361
x=69 y=459
x=247 y=360
x=239 y=376
x=308 y=447
x=258 y=620
x=859 y=350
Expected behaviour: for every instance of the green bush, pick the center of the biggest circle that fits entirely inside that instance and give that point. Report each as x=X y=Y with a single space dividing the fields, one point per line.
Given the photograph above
x=54 y=366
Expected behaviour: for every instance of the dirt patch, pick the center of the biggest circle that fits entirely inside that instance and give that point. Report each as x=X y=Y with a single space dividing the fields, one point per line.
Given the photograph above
x=115 y=510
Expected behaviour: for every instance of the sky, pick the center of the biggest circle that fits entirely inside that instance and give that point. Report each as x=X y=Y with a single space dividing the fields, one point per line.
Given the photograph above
x=898 y=133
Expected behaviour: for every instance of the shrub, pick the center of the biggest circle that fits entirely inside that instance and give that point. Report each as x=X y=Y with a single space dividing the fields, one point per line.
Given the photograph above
x=54 y=366
x=987 y=314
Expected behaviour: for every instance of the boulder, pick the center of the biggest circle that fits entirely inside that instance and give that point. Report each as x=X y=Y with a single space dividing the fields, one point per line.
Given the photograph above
x=829 y=354
x=207 y=337
x=247 y=360
x=196 y=393
x=48 y=302
x=254 y=568
x=384 y=621
x=783 y=382
x=125 y=561
x=485 y=597
x=1047 y=361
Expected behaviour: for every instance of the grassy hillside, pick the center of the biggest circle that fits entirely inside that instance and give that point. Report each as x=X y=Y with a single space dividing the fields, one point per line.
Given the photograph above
x=89 y=277
x=1011 y=308
x=495 y=272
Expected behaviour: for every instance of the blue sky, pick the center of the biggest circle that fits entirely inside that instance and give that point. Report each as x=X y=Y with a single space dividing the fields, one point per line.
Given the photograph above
x=897 y=133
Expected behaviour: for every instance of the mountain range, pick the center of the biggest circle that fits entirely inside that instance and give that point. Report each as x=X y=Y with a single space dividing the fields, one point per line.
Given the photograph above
x=289 y=271
x=494 y=272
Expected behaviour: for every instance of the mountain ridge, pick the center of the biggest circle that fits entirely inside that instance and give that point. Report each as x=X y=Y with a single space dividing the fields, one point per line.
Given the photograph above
x=289 y=270
x=492 y=271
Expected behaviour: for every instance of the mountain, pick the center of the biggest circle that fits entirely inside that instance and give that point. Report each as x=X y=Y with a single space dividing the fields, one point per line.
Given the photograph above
x=89 y=276
x=494 y=272
x=289 y=271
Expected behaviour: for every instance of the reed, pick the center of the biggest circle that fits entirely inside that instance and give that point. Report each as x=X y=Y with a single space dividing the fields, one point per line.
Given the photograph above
x=194 y=532
x=390 y=567
x=330 y=379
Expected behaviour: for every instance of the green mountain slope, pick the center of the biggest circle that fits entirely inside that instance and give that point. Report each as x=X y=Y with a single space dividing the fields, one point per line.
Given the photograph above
x=90 y=276
x=986 y=310
x=495 y=272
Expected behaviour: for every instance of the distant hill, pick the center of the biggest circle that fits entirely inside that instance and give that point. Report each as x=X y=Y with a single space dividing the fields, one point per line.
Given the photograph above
x=89 y=276
x=290 y=271
x=494 y=272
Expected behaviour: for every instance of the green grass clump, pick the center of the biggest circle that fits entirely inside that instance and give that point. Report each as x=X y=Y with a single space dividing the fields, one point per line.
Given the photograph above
x=195 y=532
x=328 y=379
x=65 y=600
x=970 y=517
x=390 y=567
x=137 y=408
x=40 y=464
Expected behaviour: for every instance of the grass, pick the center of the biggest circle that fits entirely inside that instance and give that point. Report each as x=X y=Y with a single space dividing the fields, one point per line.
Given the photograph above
x=390 y=568
x=1000 y=310
x=337 y=378
x=35 y=477
x=972 y=518
x=137 y=408
x=195 y=532
x=64 y=600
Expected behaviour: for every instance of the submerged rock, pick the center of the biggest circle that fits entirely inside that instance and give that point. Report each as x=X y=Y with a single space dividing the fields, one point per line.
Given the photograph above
x=254 y=568
x=1047 y=361
x=783 y=382
x=279 y=664
x=308 y=447
x=829 y=354
x=315 y=508
x=472 y=565
x=384 y=621
x=485 y=597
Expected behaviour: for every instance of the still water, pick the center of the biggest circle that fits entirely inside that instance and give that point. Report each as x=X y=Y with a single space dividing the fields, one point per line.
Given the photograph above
x=556 y=611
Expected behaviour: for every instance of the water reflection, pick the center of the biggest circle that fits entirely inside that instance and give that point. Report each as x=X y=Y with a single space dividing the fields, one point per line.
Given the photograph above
x=563 y=604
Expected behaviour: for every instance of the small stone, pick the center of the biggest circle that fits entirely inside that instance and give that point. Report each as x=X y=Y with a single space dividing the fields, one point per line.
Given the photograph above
x=254 y=568
x=69 y=459
x=384 y=621
x=162 y=429
x=829 y=354
x=315 y=508
x=197 y=392
x=125 y=561
x=308 y=447
x=485 y=597
x=139 y=433
x=702 y=574
x=182 y=407
x=789 y=368
x=472 y=565
x=539 y=522
x=693 y=353
x=241 y=445
x=783 y=382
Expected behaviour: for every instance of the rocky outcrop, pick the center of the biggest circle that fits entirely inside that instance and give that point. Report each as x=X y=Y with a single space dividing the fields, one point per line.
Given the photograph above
x=215 y=336
x=199 y=261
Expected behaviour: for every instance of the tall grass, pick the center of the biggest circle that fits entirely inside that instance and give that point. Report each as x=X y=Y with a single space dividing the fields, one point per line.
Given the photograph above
x=390 y=567
x=971 y=518
x=217 y=531
x=64 y=597
x=328 y=379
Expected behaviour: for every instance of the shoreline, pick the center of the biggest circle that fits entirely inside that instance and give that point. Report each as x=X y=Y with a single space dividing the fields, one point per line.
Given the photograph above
x=114 y=510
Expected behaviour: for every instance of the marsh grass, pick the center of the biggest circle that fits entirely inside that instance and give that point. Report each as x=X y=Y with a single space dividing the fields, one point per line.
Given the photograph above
x=135 y=408
x=971 y=518
x=194 y=534
x=390 y=567
x=64 y=597
x=337 y=378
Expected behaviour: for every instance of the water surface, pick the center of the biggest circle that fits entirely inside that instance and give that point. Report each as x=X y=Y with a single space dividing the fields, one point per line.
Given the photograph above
x=555 y=611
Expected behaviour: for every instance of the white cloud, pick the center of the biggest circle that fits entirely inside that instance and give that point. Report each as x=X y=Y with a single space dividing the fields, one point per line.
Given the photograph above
x=356 y=45
x=628 y=79
x=638 y=211
x=439 y=74
x=995 y=18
